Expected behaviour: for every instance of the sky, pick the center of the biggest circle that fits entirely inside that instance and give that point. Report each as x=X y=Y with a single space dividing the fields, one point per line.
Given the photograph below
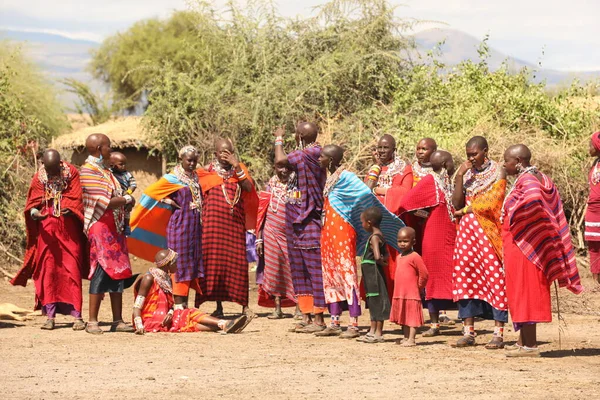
x=560 y=34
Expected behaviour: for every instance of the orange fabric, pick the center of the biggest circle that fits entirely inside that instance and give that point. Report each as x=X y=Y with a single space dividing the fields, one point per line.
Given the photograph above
x=209 y=180
x=487 y=208
x=183 y=288
x=306 y=304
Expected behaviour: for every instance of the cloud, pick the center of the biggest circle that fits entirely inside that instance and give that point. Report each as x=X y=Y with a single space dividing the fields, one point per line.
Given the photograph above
x=91 y=36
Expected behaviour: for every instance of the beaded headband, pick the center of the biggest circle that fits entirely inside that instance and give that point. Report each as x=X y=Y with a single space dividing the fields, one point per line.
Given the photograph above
x=172 y=256
x=188 y=149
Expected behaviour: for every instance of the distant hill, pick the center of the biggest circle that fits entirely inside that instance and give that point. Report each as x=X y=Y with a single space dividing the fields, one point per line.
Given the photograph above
x=459 y=46
x=58 y=56
x=62 y=57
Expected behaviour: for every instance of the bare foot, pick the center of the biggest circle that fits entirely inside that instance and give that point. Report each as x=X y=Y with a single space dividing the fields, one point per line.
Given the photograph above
x=408 y=343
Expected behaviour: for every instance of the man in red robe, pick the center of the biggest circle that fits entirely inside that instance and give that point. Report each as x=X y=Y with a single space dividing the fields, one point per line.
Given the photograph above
x=431 y=198
x=54 y=253
x=537 y=249
x=390 y=179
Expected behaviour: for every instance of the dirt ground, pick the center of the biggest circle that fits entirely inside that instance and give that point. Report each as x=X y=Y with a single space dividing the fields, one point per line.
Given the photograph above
x=268 y=362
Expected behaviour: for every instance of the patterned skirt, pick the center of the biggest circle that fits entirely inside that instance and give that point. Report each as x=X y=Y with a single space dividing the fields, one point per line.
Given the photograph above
x=277 y=279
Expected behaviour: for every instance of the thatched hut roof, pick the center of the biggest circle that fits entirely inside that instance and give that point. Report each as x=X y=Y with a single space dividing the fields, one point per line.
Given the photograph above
x=123 y=132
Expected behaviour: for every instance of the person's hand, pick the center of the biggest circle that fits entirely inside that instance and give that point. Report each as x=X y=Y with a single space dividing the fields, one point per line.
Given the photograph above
x=260 y=248
x=458 y=213
x=230 y=159
x=375 y=156
x=172 y=203
x=38 y=216
x=280 y=131
x=167 y=320
x=464 y=167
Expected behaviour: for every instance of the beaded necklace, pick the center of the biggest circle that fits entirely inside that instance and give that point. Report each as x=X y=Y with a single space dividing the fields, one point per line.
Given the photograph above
x=54 y=186
x=479 y=181
x=162 y=279
x=222 y=172
x=191 y=181
x=394 y=168
x=420 y=171
x=532 y=169
x=227 y=174
x=308 y=146
x=444 y=183
x=283 y=192
x=332 y=180
x=119 y=212
x=595 y=178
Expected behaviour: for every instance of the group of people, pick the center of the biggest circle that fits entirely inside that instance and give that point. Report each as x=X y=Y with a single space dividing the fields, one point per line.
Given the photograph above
x=428 y=236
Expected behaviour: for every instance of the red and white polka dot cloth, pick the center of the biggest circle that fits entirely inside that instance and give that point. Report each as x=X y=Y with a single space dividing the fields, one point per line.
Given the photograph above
x=478 y=272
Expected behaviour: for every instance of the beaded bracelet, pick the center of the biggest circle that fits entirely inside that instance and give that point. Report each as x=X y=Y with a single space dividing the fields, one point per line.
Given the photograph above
x=279 y=141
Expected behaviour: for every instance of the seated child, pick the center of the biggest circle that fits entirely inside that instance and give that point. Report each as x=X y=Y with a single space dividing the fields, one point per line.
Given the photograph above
x=118 y=163
x=411 y=278
x=374 y=259
x=154 y=310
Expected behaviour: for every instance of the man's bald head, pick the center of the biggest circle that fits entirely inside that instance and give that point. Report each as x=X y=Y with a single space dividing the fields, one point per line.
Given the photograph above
x=307 y=132
x=335 y=153
x=223 y=144
x=521 y=152
x=442 y=159
x=389 y=139
x=51 y=161
x=425 y=147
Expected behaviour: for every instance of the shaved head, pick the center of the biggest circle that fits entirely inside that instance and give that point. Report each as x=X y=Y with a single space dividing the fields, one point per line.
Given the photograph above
x=389 y=139
x=429 y=142
x=307 y=132
x=521 y=152
x=442 y=159
x=407 y=232
x=161 y=255
x=51 y=161
x=96 y=140
x=223 y=144
x=118 y=156
x=335 y=152
x=479 y=142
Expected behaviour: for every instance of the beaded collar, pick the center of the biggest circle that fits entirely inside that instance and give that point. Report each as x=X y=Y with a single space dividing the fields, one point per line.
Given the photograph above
x=479 y=181
x=420 y=171
x=332 y=180
x=191 y=181
x=595 y=174
x=54 y=186
x=162 y=279
x=444 y=183
x=308 y=146
x=284 y=192
x=222 y=172
x=394 y=168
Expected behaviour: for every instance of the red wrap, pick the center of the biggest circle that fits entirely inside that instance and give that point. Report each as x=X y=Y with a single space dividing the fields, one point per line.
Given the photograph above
x=71 y=200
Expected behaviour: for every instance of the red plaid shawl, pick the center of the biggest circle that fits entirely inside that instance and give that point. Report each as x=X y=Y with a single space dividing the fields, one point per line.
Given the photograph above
x=539 y=227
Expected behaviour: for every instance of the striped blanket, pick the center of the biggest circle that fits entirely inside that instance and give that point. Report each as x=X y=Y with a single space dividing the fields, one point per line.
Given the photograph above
x=98 y=185
x=150 y=217
x=539 y=227
x=350 y=197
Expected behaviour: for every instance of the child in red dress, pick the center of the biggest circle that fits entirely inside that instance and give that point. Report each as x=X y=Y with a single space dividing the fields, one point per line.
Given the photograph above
x=411 y=278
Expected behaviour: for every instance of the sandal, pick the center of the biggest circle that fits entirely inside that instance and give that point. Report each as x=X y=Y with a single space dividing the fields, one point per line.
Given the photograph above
x=466 y=341
x=373 y=339
x=78 y=325
x=121 y=326
x=299 y=325
x=365 y=337
x=495 y=344
x=93 y=328
x=276 y=315
x=237 y=325
x=431 y=332
x=49 y=325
